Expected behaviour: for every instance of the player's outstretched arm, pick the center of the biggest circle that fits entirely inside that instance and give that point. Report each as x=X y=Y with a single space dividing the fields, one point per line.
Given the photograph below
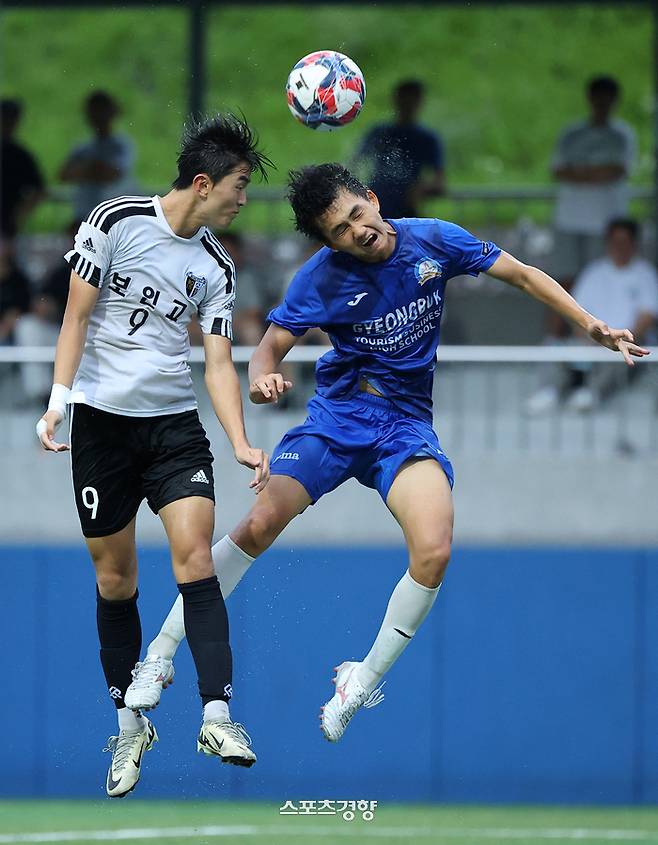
x=266 y=383
x=70 y=343
x=542 y=287
x=223 y=387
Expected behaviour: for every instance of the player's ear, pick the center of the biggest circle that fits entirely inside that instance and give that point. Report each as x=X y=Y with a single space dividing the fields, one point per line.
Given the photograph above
x=373 y=199
x=202 y=184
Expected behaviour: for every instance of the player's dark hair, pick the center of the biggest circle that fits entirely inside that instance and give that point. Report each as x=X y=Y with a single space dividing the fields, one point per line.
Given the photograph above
x=314 y=189
x=627 y=223
x=603 y=85
x=216 y=146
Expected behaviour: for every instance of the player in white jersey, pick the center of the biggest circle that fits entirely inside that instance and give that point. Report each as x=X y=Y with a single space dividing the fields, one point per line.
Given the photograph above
x=141 y=268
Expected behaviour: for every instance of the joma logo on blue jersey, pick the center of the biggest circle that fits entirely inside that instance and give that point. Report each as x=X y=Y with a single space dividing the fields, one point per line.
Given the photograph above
x=287 y=456
x=395 y=320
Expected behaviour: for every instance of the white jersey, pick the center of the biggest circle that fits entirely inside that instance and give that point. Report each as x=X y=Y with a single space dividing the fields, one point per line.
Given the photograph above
x=135 y=360
x=618 y=295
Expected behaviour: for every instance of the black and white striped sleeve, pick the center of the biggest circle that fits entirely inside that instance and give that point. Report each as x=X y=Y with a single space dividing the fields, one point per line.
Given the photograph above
x=91 y=253
x=216 y=309
x=223 y=327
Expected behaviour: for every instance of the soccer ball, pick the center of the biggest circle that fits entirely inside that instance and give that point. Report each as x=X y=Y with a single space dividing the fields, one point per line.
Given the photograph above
x=325 y=90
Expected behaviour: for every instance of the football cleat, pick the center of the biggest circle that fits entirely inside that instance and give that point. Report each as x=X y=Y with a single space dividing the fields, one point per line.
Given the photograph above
x=127 y=750
x=227 y=740
x=350 y=696
x=149 y=679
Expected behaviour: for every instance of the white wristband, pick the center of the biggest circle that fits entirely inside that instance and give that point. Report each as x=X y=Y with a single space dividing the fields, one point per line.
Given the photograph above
x=60 y=396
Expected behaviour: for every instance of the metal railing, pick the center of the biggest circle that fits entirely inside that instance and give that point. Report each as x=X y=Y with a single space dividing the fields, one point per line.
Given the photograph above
x=453 y=354
x=482 y=399
x=268 y=211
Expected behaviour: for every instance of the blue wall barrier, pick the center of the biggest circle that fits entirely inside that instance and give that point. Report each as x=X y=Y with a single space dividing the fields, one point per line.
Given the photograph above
x=535 y=678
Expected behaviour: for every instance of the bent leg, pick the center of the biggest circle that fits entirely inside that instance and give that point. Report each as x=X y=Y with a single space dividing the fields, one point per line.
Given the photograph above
x=281 y=500
x=421 y=500
x=117 y=616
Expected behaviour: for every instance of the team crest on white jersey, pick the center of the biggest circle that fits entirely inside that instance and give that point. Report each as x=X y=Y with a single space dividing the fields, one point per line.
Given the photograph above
x=195 y=285
x=426 y=269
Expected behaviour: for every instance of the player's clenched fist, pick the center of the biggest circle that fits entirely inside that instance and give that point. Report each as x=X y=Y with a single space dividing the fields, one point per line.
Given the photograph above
x=268 y=388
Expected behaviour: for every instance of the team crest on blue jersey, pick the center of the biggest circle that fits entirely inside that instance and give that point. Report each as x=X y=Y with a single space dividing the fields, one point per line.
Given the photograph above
x=426 y=269
x=195 y=285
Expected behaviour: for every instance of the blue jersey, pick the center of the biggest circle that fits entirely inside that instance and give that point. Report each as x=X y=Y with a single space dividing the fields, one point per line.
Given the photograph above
x=383 y=318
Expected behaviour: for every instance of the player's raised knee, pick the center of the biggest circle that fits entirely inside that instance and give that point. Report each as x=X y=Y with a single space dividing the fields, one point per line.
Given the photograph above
x=429 y=563
x=263 y=525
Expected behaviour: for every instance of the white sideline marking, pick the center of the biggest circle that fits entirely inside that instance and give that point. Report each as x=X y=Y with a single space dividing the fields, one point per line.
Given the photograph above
x=346 y=829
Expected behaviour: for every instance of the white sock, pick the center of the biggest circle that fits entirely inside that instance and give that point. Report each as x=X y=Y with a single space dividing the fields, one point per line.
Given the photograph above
x=129 y=720
x=217 y=711
x=171 y=633
x=408 y=606
x=231 y=563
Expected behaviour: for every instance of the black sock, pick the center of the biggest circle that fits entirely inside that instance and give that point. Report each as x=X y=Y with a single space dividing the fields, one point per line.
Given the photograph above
x=120 y=635
x=206 y=627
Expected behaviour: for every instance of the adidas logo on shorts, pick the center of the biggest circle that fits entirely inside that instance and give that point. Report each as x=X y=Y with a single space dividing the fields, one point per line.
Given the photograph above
x=200 y=476
x=89 y=245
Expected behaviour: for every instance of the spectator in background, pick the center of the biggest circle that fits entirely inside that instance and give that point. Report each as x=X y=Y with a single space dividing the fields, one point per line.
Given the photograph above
x=592 y=162
x=102 y=167
x=22 y=186
x=14 y=294
x=621 y=288
x=406 y=159
x=258 y=290
x=40 y=326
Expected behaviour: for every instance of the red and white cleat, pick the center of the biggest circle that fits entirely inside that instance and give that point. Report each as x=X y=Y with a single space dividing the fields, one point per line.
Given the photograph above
x=149 y=679
x=349 y=697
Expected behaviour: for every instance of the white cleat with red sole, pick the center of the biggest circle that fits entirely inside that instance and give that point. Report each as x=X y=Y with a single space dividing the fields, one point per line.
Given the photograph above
x=149 y=679
x=350 y=696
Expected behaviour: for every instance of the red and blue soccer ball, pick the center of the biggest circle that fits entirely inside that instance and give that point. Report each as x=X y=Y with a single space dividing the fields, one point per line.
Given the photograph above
x=325 y=90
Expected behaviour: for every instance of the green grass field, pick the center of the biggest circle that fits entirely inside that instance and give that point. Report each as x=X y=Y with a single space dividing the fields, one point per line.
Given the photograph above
x=244 y=824
x=502 y=79
x=502 y=82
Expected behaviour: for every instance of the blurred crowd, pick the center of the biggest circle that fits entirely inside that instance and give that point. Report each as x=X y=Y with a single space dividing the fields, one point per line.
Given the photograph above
x=597 y=247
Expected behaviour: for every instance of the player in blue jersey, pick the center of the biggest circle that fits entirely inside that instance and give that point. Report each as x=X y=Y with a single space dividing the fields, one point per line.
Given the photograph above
x=377 y=288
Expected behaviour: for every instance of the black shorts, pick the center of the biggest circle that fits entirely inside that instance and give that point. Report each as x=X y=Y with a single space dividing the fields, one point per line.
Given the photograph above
x=117 y=461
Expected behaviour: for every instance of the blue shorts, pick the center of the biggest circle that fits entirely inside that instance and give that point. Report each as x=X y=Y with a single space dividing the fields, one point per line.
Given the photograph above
x=364 y=437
